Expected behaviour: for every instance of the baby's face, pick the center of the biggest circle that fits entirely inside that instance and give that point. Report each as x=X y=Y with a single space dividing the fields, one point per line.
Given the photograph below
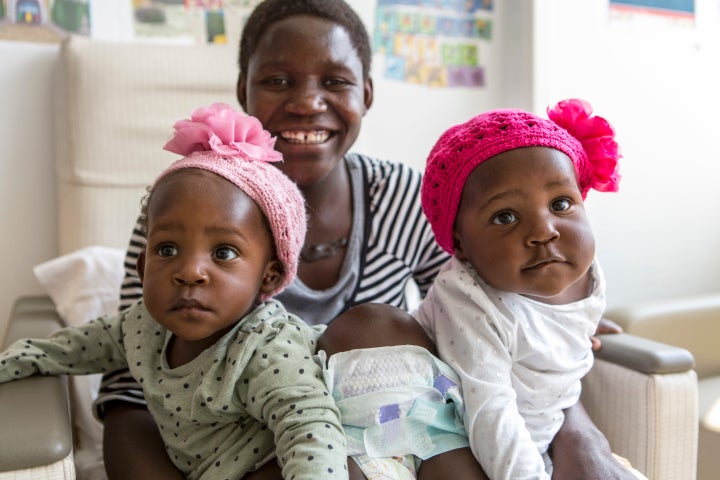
x=208 y=255
x=522 y=225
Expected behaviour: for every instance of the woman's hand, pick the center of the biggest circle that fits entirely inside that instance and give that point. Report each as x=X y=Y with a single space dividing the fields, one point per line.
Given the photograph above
x=604 y=326
x=132 y=446
x=581 y=452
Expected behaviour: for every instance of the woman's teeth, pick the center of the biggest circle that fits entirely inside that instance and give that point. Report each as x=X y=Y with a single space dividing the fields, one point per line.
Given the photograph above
x=315 y=137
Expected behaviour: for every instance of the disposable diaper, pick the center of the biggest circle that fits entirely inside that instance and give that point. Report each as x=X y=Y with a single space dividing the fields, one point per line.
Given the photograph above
x=396 y=401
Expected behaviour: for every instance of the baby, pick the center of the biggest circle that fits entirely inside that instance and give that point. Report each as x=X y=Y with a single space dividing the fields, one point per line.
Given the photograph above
x=228 y=373
x=514 y=309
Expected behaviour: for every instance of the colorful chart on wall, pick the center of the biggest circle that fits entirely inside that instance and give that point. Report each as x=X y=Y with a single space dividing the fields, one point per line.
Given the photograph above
x=201 y=21
x=438 y=43
x=67 y=15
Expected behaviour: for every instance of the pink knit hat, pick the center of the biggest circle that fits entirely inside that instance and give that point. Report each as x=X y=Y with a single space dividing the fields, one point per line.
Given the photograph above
x=235 y=146
x=588 y=140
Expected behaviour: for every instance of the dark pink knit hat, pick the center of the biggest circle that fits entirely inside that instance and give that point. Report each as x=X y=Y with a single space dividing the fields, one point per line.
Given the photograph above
x=235 y=146
x=588 y=140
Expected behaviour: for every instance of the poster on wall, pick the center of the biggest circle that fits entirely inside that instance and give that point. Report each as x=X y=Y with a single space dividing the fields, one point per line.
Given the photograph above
x=29 y=12
x=664 y=12
x=66 y=15
x=437 y=43
x=195 y=21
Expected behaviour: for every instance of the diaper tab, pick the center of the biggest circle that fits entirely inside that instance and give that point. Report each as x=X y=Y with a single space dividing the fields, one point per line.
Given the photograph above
x=389 y=412
x=443 y=384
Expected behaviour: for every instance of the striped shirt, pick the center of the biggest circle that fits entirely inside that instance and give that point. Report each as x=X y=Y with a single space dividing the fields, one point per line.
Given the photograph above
x=396 y=247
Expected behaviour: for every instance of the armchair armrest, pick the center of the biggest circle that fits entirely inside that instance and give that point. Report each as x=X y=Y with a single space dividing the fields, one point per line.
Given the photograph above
x=691 y=322
x=643 y=355
x=34 y=412
x=643 y=396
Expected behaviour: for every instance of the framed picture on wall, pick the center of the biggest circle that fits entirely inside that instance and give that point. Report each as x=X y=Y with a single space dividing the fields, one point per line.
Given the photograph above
x=677 y=11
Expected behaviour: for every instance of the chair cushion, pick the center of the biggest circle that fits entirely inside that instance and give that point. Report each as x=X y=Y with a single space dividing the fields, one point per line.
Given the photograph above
x=691 y=322
x=709 y=433
x=116 y=107
x=709 y=403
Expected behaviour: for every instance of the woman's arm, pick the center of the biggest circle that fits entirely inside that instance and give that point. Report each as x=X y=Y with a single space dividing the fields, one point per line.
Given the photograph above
x=580 y=451
x=132 y=446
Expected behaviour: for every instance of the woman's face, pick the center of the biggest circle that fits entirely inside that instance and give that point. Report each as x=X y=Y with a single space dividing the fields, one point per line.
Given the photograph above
x=305 y=83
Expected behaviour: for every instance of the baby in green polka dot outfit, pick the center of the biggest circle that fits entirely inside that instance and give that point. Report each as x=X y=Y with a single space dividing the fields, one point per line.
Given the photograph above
x=229 y=375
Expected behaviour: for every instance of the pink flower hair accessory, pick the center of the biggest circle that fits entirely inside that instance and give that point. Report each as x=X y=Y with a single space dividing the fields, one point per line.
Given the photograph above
x=228 y=132
x=597 y=138
x=234 y=145
x=588 y=141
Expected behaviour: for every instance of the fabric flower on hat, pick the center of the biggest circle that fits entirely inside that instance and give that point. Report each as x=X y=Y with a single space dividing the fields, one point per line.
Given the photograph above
x=228 y=132
x=597 y=137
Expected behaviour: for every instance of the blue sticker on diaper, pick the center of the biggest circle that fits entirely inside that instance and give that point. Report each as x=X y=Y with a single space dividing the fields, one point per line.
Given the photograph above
x=389 y=412
x=443 y=384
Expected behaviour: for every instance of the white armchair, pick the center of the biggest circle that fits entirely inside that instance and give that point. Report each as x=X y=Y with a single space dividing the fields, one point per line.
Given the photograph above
x=643 y=396
x=116 y=105
x=692 y=322
x=35 y=426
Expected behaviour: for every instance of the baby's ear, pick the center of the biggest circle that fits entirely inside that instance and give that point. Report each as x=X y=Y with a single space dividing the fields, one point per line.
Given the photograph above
x=241 y=91
x=458 y=246
x=273 y=276
x=140 y=265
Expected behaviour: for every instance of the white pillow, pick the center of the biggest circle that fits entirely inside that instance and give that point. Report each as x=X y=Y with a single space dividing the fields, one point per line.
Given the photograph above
x=84 y=285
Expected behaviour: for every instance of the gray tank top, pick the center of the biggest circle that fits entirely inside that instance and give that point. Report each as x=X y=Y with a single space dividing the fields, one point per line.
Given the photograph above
x=317 y=307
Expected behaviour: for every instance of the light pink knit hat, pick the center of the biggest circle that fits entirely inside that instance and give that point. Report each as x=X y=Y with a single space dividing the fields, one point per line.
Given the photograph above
x=235 y=146
x=588 y=140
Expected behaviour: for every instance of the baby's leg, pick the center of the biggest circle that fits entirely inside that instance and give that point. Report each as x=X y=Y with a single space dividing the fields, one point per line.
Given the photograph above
x=458 y=464
x=354 y=472
x=373 y=325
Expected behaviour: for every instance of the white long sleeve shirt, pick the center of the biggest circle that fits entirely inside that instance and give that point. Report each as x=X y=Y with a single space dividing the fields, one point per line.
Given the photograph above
x=520 y=363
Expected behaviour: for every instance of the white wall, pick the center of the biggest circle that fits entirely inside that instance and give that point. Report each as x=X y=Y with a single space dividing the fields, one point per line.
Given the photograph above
x=659 y=236
x=27 y=192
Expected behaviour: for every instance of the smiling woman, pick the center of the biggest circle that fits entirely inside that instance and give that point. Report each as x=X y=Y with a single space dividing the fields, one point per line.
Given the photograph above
x=313 y=102
x=304 y=73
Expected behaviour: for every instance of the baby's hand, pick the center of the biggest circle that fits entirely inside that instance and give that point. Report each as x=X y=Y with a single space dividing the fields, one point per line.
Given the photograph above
x=604 y=326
